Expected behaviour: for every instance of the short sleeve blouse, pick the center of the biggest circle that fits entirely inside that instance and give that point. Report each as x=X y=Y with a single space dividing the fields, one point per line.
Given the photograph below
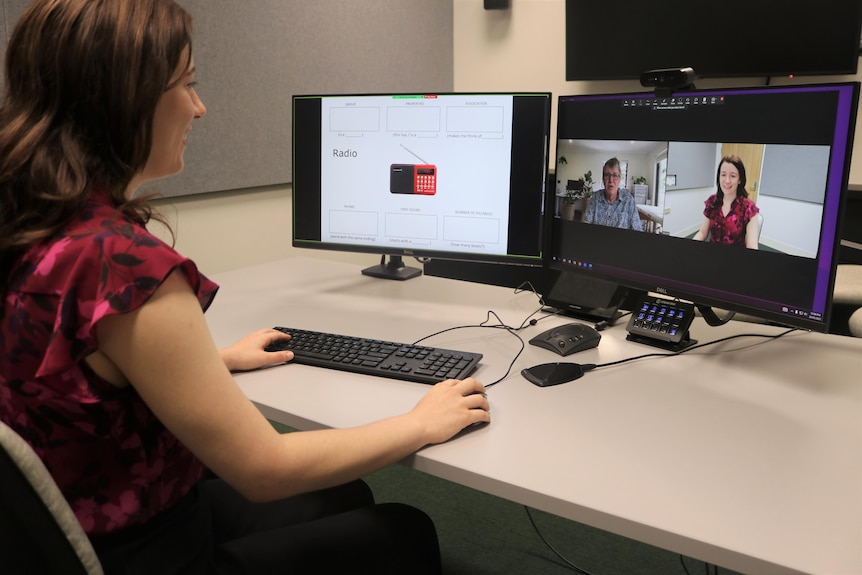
x=116 y=464
x=729 y=229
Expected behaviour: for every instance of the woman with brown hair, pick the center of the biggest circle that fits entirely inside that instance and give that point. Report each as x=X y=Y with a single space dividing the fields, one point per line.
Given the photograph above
x=106 y=365
x=729 y=216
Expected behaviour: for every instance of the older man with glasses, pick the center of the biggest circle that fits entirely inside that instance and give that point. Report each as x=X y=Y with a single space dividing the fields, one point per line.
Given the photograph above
x=613 y=206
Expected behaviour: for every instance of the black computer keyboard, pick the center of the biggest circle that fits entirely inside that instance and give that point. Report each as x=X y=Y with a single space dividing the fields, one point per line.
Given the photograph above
x=410 y=362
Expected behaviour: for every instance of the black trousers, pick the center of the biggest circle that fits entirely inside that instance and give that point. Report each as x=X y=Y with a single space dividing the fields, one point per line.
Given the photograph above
x=216 y=531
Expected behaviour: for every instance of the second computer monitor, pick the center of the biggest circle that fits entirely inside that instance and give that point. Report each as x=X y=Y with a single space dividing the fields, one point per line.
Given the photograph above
x=729 y=198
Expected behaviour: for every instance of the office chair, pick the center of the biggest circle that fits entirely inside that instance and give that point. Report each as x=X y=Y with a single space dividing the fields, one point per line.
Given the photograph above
x=38 y=530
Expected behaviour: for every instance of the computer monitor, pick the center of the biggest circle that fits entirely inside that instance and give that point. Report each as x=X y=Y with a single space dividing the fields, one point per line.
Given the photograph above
x=791 y=148
x=455 y=175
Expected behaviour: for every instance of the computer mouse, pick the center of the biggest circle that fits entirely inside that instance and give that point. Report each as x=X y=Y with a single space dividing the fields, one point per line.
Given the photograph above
x=568 y=339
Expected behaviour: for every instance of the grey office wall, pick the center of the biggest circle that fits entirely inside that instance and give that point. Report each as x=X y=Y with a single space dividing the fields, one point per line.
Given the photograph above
x=795 y=172
x=693 y=164
x=251 y=57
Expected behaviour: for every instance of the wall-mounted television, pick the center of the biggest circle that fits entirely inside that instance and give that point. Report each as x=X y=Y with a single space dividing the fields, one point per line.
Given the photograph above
x=734 y=38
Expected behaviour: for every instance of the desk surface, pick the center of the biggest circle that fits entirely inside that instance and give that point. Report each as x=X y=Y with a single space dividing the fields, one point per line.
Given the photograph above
x=655 y=213
x=746 y=454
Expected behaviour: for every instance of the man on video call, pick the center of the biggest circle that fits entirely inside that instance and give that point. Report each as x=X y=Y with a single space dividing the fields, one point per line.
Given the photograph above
x=613 y=206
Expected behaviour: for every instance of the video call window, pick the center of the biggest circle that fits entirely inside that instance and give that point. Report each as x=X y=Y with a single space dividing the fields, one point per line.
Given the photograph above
x=670 y=183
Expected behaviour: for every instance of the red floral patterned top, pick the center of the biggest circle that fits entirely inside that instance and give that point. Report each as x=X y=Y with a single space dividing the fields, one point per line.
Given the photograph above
x=729 y=229
x=113 y=460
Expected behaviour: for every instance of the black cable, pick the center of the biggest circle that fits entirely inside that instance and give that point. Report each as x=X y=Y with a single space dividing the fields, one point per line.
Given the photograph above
x=533 y=322
x=483 y=324
x=706 y=566
x=606 y=323
x=591 y=366
x=522 y=288
x=551 y=547
x=528 y=284
x=711 y=318
x=500 y=325
x=684 y=567
x=585 y=366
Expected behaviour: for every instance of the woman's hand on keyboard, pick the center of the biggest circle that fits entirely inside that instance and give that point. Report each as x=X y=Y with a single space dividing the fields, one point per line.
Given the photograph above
x=450 y=406
x=249 y=353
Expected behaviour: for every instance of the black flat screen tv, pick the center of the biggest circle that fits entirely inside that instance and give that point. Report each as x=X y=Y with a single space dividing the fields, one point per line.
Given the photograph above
x=734 y=38
x=794 y=145
x=459 y=176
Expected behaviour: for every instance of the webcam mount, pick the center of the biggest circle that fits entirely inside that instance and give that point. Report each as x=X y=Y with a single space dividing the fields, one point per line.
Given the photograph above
x=668 y=80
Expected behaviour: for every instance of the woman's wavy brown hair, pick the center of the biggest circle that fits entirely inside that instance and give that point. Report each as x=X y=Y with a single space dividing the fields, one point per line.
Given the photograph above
x=83 y=78
x=741 y=192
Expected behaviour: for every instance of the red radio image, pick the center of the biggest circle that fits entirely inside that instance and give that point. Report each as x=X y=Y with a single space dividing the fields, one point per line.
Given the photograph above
x=418 y=179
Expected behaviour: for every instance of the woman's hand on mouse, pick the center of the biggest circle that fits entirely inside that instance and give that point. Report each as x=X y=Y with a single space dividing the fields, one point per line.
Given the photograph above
x=450 y=406
x=250 y=352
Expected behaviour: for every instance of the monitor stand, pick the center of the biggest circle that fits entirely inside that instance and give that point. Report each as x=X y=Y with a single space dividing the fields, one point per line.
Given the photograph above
x=586 y=297
x=394 y=269
x=609 y=319
x=684 y=343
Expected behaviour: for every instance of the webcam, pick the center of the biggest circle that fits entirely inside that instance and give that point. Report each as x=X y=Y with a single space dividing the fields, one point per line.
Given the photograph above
x=668 y=79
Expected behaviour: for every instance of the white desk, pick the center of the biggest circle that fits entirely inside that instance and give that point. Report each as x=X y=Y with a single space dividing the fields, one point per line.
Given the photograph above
x=749 y=459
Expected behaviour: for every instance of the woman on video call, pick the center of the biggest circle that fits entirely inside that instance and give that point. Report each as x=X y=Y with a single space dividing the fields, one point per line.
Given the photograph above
x=107 y=367
x=729 y=216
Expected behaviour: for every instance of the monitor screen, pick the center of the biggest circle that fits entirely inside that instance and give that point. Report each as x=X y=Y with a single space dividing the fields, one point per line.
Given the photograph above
x=729 y=198
x=730 y=39
x=457 y=176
